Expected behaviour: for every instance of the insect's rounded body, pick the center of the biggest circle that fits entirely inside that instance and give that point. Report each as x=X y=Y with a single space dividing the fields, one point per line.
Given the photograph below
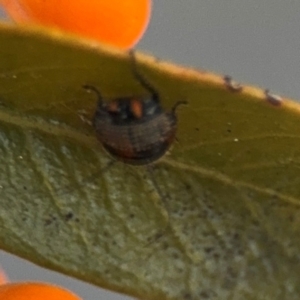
x=135 y=130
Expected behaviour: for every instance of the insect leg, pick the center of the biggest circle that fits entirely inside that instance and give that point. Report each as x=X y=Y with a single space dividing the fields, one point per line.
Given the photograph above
x=177 y=104
x=99 y=98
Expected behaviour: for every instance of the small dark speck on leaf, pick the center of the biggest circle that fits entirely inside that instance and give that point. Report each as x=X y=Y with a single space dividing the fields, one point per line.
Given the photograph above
x=187 y=187
x=69 y=216
x=208 y=250
x=204 y=295
x=187 y=296
x=50 y=220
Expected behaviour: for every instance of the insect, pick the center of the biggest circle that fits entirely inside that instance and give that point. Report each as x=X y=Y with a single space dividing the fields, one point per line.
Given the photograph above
x=232 y=85
x=273 y=99
x=133 y=129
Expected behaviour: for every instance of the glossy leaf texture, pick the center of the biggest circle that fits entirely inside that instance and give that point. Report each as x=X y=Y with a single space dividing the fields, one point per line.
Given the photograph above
x=217 y=218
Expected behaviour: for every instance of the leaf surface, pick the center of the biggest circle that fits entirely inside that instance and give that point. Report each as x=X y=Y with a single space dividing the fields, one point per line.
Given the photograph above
x=217 y=218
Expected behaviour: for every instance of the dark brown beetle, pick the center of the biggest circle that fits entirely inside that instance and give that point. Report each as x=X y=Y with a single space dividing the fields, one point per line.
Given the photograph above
x=135 y=130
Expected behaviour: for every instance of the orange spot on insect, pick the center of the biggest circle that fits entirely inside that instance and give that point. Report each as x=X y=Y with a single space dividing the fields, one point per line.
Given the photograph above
x=34 y=291
x=115 y=22
x=136 y=108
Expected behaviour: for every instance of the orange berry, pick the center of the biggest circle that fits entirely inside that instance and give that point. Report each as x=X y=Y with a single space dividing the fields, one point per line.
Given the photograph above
x=116 y=22
x=34 y=291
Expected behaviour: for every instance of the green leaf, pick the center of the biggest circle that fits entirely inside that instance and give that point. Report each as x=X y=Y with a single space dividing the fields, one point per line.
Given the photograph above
x=217 y=218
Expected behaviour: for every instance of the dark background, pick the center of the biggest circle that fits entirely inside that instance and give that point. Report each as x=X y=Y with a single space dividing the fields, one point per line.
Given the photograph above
x=257 y=42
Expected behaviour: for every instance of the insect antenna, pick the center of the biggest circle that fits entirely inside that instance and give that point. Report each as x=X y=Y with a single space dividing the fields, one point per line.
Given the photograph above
x=142 y=80
x=100 y=104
